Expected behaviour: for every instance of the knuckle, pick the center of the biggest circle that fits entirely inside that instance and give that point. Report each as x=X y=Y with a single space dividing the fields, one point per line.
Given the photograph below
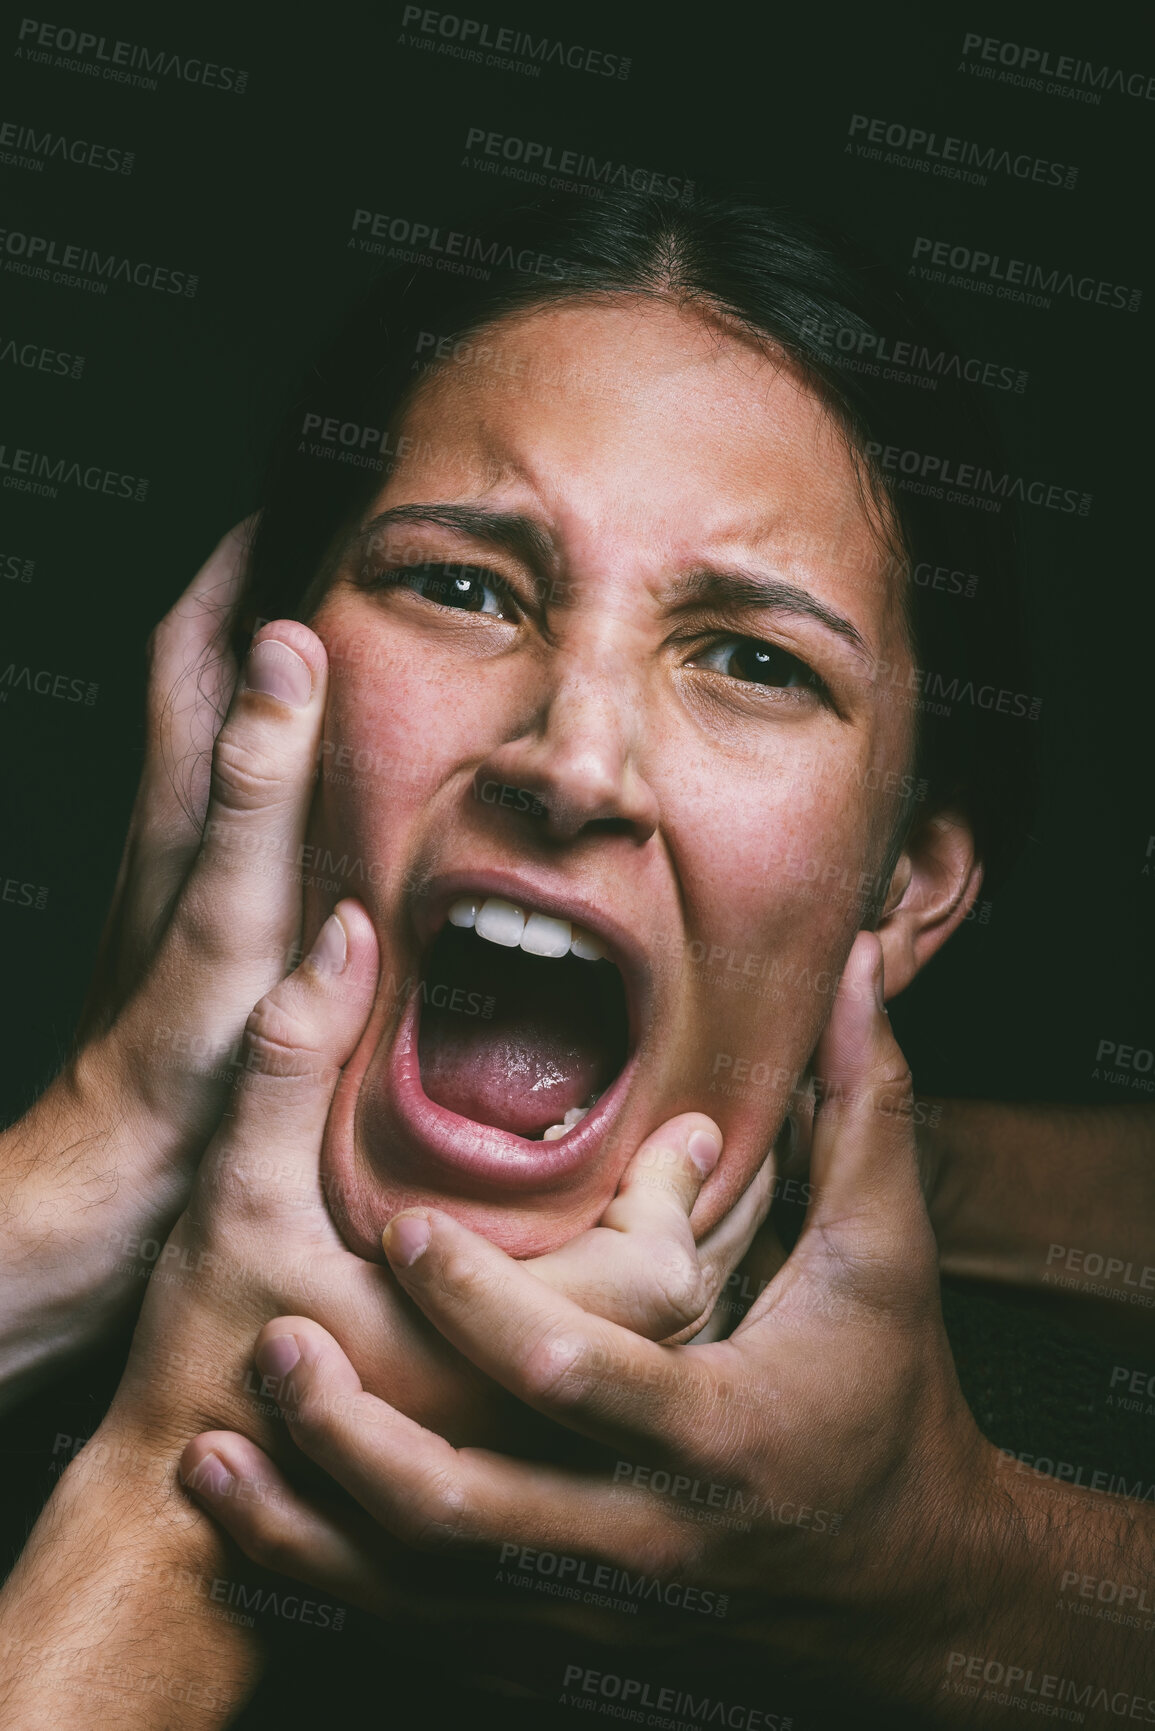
x=278 y=1041
x=455 y=1278
x=679 y=1283
x=244 y=777
x=893 y=1078
x=559 y=1367
x=434 y=1519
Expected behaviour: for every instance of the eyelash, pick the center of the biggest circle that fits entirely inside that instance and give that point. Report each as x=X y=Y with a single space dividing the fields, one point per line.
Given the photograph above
x=442 y=574
x=771 y=654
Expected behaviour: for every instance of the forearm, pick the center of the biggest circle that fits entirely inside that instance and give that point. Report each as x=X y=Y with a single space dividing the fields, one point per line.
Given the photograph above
x=1044 y=1605
x=79 y=1218
x=1030 y=1195
x=108 y=1618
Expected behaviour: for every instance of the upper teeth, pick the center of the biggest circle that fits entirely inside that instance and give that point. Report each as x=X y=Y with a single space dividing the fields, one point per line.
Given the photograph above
x=502 y=922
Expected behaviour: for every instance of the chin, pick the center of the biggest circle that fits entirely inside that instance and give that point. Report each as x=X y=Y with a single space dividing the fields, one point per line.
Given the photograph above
x=516 y=1072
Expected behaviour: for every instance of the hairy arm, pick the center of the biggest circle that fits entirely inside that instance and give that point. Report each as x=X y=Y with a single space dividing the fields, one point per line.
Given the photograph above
x=1048 y=1610
x=106 y=1619
x=1024 y=1195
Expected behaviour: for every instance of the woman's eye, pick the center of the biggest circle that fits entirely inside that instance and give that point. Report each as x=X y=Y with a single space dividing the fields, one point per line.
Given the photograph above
x=760 y=664
x=465 y=588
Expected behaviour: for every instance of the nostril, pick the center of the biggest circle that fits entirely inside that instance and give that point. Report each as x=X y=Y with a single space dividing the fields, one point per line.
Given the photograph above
x=611 y=826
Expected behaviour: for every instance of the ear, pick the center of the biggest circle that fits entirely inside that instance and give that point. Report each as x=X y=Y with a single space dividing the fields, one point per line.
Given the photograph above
x=934 y=886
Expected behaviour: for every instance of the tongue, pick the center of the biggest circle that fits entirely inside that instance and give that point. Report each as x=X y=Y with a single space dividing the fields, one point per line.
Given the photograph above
x=541 y=1050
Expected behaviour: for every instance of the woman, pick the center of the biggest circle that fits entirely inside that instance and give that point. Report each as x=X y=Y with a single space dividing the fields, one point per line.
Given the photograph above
x=626 y=649
x=446 y=593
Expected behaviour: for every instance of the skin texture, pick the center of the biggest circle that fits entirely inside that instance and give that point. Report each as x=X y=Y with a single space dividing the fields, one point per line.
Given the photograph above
x=136 y=1555
x=685 y=804
x=857 y=1515
x=102 y=1163
x=873 y=1424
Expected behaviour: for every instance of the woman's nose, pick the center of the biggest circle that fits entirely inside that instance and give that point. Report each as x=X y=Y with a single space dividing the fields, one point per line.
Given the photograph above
x=578 y=760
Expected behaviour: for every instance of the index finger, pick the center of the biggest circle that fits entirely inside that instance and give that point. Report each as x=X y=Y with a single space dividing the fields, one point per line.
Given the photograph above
x=639 y=1265
x=579 y=1369
x=192 y=674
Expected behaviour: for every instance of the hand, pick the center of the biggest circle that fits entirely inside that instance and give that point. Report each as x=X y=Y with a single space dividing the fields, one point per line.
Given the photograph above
x=205 y=914
x=257 y=1236
x=820 y=1465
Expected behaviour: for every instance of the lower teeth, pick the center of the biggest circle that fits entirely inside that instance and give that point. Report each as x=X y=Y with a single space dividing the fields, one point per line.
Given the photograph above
x=572 y=1117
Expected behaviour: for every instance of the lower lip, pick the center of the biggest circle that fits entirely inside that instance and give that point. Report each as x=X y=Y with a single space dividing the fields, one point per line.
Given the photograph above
x=419 y=1134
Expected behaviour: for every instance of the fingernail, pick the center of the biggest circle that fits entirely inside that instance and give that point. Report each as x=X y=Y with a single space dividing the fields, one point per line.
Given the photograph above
x=275 y=670
x=278 y=1356
x=330 y=950
x=704 y=1149
x=211 y=1477
x=879 y=984
x=406 y=1239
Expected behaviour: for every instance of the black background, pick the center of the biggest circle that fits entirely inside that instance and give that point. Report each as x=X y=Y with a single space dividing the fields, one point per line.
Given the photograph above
x=254 y=194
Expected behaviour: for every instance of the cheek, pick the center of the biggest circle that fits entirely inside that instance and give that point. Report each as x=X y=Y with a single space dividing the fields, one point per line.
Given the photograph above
x=779 y=858
x=397 y=727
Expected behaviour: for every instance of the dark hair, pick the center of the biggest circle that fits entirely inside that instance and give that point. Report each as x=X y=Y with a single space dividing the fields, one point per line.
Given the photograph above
x=841 y=320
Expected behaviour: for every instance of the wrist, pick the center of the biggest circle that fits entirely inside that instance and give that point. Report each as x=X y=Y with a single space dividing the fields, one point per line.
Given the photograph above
x=108 y=1616
x=929 y=1593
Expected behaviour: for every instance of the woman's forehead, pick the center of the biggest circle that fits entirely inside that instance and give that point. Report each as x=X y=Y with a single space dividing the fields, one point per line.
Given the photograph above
x=642 y=416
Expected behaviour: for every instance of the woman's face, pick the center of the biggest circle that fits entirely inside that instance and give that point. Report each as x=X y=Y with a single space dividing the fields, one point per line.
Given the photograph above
x=602 y=673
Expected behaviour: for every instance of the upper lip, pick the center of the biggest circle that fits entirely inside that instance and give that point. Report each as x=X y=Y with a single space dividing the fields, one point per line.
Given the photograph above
x=537 y=894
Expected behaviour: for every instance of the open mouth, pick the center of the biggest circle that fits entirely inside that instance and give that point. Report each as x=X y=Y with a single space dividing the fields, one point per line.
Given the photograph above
x=523 y=1019
x=515 y=1055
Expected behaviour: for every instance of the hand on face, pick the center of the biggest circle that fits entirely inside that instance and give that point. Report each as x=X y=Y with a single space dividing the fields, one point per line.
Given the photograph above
x=206 y=911
x=258 y=1238
x=784 y=1464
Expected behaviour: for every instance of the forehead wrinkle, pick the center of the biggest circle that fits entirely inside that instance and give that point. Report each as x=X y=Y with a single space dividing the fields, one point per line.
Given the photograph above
x=846 y=543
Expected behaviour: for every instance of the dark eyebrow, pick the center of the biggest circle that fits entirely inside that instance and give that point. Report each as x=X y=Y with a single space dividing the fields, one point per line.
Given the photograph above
x=515 y=534
x=746 y=589
x=527 y=541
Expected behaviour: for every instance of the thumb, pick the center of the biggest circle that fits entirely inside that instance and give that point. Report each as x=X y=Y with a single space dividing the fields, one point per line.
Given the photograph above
x=867 y=1225
x=296 y=1042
